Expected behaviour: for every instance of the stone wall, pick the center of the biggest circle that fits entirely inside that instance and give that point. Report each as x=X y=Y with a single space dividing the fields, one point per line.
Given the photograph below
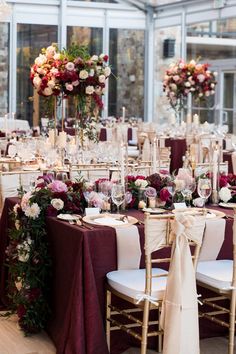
x=4 y=62
x=130 y=72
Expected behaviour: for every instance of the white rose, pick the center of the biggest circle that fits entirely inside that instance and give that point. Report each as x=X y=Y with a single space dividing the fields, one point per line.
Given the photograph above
x=47 y=91
x=201 y=77
x=94 y=58
x=41 y=71
x=57 y=56
x=83 y=74
x=200 y=94
x=57 y=203
x=212 y=92
x=89 y=90
x=91 y=73
x=40 y=60
x=192 y=63
x=215 y=73
x=70 y=66
x=142 y=183
x=225 y=194
x=32 y=211
x=50 y=51
x=101 y=56
x=37 y=81
x=51 y=83
x=187 y=84
x=212 y=85
x=54 y=71
x=25 y=200
x=107 y=71
x=173 y=87
x=102 y=78
x=207 y=93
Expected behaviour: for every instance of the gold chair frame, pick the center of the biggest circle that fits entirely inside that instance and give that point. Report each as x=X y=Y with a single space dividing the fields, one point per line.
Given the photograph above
x=144 y=306
x=223 y=294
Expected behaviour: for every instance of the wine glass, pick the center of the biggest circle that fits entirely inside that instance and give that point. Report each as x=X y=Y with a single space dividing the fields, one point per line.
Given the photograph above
x=104 y=188
x=204 y=189
x=118 y=195
x=189 y=188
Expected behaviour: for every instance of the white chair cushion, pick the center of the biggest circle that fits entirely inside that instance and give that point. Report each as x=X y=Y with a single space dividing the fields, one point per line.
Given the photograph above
x=132 y=282
x=216 y=273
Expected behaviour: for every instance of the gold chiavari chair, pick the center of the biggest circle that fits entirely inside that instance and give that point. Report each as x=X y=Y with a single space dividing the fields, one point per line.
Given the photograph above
x=219 y=276
x=144 y=289
x=90 y=172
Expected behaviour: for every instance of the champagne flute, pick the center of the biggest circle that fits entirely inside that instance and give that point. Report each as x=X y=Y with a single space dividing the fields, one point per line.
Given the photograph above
x=204 y=189
x=118 y=195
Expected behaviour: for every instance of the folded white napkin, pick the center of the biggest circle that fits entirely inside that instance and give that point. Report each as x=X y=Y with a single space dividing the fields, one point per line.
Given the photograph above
x=198 y=202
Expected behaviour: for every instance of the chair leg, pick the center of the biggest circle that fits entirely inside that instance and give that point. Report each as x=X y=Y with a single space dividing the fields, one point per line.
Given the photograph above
x=108 y=316
x=232 y=323
x=160 y=335
x=145 y=327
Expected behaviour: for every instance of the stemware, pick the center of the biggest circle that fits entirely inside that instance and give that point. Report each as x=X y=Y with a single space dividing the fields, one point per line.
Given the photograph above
x=118 y=195
x=189 y=188
x=204 y=189
x=105 y=188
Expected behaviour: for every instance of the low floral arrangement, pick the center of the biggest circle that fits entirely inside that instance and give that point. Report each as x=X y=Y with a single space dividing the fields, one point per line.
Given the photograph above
x=153 y=186
x=183 y=78
x=227 y=185
x=28 y=258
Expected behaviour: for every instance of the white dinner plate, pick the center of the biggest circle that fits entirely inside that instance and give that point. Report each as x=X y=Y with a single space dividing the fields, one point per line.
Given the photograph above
x=228 y=205
x=211 y=213
x=110 y=220
x=68 y=217
x=154 y=210
x=30 y=167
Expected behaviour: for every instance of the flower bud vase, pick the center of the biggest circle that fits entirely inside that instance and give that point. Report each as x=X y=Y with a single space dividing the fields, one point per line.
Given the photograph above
x=142 y=199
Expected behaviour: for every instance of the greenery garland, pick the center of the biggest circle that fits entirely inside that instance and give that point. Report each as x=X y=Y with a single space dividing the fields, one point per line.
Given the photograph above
x=28 y=257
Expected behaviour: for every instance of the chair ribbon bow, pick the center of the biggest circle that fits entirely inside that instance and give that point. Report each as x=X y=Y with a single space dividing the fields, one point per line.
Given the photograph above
x=142 y=297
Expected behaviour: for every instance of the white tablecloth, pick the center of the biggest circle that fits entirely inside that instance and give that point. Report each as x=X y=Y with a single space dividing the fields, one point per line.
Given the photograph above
x=14 y=124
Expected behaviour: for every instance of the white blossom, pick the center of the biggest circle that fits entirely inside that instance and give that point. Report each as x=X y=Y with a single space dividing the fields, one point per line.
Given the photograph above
x=107 y=71
x=57 y=203
x=70 y=66
x=32 y=211
x=40 y=60
x=225 y=194
x=142 y=183
x=83 y=74
x=102 y=78
x=89 y=90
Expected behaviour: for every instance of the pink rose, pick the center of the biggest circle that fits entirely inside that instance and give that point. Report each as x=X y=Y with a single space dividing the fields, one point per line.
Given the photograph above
x=58 y=186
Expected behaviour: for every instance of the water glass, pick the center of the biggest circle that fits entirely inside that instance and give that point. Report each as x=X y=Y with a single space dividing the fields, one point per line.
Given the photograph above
x=118 y=195
x=204 y=189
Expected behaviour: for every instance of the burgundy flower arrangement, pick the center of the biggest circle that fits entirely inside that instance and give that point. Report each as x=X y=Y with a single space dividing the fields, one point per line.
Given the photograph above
x=28 y=255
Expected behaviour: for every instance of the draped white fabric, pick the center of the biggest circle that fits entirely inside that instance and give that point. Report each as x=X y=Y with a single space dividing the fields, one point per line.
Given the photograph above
x=213 y=239
x=179 y=317
x=128 y=247
x=155 y=235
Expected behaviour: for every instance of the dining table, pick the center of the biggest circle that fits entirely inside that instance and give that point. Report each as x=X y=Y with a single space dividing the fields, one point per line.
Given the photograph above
x=81 y=258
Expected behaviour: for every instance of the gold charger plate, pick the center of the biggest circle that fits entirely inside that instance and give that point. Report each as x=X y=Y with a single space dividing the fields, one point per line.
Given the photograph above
x=112 y=220
x=212 y=214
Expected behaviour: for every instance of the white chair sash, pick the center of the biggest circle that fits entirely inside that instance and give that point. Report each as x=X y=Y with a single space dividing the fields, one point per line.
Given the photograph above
x=179 y=317
x=212 y=240
x=155 y=235
x=146 y=153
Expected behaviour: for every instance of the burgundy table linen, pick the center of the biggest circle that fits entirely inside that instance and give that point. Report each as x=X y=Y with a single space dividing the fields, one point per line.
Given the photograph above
x=103 y=134
x=81 y=259
x=227 y=156
x=178 y=149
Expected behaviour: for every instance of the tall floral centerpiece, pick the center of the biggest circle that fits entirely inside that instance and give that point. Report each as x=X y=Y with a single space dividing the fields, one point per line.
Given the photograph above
x=188 y=78
x=74 y=72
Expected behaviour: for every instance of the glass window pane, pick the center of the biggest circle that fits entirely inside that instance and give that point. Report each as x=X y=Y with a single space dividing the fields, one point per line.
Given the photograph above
x=30 y=40
x=167 y=50
x=4 y=65
x=127 y=62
